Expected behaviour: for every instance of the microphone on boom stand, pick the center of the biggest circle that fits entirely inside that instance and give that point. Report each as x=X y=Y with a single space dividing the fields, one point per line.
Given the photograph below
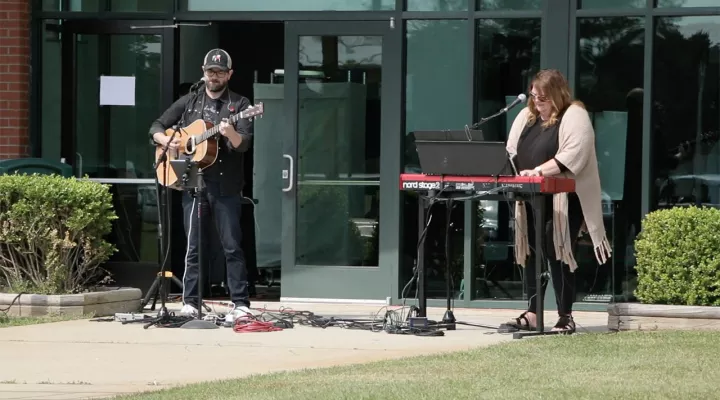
x=196 y=86
x=520 y=99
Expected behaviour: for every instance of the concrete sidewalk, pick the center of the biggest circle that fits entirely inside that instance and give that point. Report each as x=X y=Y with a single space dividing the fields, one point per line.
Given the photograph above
x=84 y=359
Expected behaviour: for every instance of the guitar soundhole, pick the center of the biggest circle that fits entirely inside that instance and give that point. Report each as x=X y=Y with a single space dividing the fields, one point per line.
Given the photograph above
x=189 y=146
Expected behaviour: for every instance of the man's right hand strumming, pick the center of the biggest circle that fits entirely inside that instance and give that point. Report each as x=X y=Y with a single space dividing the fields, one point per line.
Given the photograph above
x=163 y=140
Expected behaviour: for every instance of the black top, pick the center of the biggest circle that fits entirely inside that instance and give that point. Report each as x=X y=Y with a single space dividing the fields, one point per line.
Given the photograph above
x=537 y=145
x=226 y=175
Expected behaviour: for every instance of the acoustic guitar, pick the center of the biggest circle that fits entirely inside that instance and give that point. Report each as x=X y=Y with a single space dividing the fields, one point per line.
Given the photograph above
x=199 y=142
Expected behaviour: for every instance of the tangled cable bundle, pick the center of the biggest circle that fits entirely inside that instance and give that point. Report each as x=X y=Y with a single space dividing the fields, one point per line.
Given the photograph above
x=393 y=321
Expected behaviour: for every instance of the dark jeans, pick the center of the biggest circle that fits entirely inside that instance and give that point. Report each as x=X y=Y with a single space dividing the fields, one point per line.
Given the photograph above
x=563 y=280
x=223 y=212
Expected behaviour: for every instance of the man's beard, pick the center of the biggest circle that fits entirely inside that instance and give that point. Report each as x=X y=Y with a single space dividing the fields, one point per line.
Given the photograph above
x=216 y=87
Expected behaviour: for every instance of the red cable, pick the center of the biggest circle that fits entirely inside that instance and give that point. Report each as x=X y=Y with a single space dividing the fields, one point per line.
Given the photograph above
x=247 y=325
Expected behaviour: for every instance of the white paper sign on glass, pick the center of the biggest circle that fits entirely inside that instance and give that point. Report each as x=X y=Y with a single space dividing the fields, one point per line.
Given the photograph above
x=117 y=90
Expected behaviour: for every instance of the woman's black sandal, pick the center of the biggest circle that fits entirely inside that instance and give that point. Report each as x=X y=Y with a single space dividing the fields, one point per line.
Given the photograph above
x=565 y=325
x=516 y=325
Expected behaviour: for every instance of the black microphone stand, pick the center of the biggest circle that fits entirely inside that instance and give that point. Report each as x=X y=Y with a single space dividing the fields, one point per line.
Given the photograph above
x=521 y=99
x=191 y=169
x=158 y=287
x=448 y=319
x=486 y=119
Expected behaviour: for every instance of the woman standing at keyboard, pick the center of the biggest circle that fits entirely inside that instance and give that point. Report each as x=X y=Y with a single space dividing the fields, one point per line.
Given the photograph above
x=553 y=136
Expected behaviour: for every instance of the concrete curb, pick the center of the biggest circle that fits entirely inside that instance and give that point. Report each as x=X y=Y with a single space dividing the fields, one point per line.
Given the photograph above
x=100 y=303
x=652 y=317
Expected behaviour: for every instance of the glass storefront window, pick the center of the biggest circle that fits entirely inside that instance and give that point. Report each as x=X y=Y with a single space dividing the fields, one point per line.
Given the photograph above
x=685 y=155
x=687 y=3
x=287 y=5
x=436 y=98
x=508 y=55
x=585 y=4
x=108 y=5
x=112 y=141
x=437 y=5
x=609 y=81
x=509 y=4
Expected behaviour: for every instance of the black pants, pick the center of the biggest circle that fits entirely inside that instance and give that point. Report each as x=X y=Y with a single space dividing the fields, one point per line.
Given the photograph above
x=224 y=213
x=563 y=280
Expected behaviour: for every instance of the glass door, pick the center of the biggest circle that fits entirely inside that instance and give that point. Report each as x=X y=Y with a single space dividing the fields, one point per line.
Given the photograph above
x=341 y=90
x=117 y=78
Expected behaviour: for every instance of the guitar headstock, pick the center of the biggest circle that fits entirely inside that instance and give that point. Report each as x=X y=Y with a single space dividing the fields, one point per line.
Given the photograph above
x=253 y=111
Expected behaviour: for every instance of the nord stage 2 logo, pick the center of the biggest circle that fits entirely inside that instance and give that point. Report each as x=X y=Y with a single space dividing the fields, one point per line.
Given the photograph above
x=421 y=185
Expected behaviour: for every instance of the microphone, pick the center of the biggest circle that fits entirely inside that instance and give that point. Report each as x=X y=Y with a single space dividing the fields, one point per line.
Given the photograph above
x=195 y=86
x=520 y=99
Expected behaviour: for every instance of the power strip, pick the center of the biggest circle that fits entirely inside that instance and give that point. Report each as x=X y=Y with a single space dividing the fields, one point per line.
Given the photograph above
x=123 y=317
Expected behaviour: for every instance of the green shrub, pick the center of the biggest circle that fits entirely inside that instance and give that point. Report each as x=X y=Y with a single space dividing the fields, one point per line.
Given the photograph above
x=678 y=257
x=52 y=232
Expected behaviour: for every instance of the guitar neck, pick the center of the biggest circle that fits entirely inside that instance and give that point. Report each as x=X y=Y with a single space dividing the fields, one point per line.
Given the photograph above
x=216 y=129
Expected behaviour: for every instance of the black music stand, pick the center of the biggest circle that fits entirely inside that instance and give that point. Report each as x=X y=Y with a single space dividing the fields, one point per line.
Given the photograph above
x=192 y=180
x=457 y=153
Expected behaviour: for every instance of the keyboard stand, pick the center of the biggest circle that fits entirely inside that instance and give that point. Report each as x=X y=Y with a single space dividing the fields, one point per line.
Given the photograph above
x=537 y=201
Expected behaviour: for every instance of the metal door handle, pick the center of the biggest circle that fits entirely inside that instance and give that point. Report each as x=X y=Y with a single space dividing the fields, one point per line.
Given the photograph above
x=290 y=174
x=80 y=166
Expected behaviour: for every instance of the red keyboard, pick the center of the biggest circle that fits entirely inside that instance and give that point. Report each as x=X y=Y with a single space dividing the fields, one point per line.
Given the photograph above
x=517 y=184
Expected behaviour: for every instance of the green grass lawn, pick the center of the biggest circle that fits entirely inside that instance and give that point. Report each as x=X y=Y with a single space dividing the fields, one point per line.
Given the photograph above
x=652 y=365
x=8 y=321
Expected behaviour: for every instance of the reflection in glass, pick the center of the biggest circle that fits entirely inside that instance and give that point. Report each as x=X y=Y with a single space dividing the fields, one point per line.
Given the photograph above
x=135 y=232
x=112 y=141
x=508 y=56
x=686 y=3
x=338 y=165
x=436 y=80
x=612 y=3
x=437 y=5
x=685 y=123
x=51 y=87
x=287 y=5
x=509 y=4
x=609 y=80
x=436 y=98
x=109 y=5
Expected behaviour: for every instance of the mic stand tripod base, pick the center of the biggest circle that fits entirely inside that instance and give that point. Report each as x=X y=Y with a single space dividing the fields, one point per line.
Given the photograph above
x=199 y=324
x=448 y=320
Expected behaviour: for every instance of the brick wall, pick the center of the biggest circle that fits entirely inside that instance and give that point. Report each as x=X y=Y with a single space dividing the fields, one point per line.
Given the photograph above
x=14 y=78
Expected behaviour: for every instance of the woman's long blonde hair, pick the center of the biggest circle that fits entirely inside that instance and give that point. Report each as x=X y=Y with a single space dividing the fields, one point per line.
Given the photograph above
x=556 y=88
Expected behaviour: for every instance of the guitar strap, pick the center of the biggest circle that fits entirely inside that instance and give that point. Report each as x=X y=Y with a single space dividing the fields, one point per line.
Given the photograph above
x=225 y=111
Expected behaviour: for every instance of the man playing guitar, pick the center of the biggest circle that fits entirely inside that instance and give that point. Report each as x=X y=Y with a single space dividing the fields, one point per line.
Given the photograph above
x=224 y=179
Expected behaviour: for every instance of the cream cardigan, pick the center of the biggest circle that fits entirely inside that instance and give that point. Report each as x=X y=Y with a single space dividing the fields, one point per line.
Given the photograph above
x=577 y=152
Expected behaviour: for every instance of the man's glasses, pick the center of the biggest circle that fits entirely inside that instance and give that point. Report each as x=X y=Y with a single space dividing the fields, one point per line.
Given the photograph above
x=220 y=74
